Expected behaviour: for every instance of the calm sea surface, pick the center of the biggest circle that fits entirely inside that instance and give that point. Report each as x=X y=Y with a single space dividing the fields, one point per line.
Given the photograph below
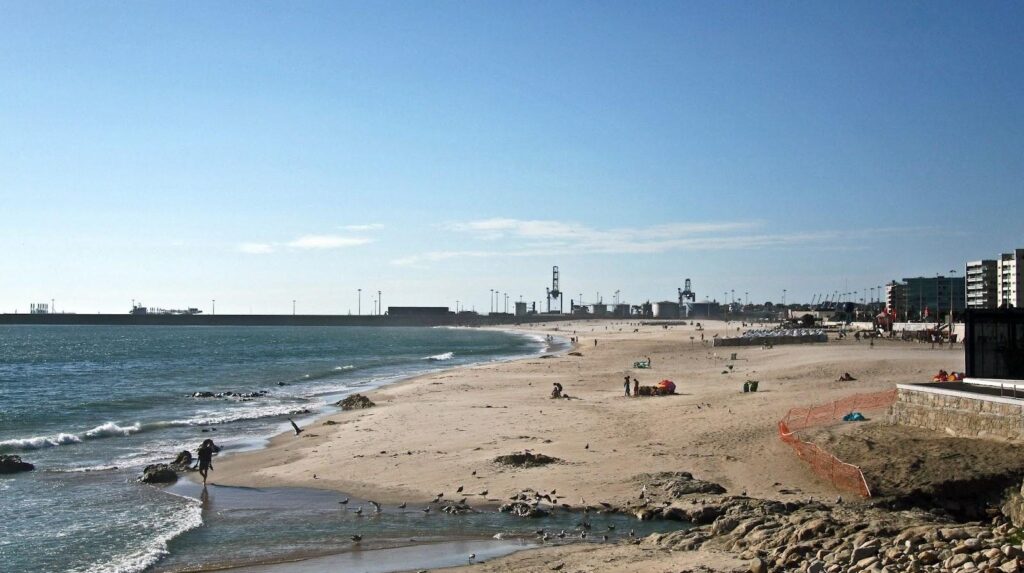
x=90 y=406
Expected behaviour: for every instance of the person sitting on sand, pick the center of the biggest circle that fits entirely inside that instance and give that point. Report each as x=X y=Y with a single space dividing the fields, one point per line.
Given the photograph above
x=205 y=454
x=556 y=391
x=846 y=377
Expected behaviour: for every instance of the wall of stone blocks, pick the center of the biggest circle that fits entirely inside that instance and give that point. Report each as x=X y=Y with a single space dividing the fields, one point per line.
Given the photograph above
x=958 y=416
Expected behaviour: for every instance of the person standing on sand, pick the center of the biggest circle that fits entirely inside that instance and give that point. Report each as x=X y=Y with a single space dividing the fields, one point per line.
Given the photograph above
x=636 y=387
x=626 y=385
x=205 y=458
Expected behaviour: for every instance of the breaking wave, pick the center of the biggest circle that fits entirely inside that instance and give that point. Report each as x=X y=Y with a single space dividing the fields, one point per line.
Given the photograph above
x=441 y=357
x=104 y=430
x=112 y=429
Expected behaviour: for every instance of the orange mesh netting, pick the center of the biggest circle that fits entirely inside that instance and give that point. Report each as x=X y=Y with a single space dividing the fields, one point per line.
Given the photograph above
x=843 y=475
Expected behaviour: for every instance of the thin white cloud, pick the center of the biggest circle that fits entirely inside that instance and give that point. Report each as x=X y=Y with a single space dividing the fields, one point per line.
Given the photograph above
x=364 y=228
x=549 y=237
x=326 y=242
x=305 y=242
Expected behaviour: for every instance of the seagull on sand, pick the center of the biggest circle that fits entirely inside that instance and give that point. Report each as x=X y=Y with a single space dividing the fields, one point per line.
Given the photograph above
x=344 y=501
x=356 y=538
x=298 y=430
x=459 y=490
x=359 y=510
x=472 y=556
x=484 y=492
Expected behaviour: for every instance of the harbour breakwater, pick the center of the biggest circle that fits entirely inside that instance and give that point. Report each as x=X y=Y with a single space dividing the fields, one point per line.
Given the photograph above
x=273 y=319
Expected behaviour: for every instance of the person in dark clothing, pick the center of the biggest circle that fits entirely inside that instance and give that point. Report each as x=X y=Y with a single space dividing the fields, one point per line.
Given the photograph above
x=626 y=386
x=636 y=387
x=206 y=458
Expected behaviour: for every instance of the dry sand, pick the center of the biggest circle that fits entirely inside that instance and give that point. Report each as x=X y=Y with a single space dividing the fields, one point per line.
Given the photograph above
x=428 y=435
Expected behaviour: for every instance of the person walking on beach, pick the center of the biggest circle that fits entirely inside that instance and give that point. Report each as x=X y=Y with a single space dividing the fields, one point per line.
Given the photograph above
x=205 y=458
x=626 y=385
x=636 y=387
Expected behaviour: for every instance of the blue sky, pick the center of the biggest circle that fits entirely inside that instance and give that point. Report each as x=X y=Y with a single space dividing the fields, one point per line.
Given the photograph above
x=257 y=153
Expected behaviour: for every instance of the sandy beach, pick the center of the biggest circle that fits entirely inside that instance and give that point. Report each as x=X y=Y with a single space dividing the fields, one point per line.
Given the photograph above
x=435 y=433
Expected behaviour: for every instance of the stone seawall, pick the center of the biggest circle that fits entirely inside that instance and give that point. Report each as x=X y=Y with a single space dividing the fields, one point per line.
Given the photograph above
x=959 y=414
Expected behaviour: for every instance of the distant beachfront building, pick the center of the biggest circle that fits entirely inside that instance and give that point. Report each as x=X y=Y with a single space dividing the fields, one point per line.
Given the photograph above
x=1009 y=273
x=982 y=284
x=925 y=298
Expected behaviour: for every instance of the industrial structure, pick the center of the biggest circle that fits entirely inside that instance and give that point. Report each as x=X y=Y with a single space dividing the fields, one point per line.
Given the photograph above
x=554 y=292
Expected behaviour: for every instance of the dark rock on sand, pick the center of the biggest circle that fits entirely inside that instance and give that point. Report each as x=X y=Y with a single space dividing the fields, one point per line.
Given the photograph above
x=158 y=473
x=680 y=484
x=355 y=402
x=13 y=464
x=523 y=509
x=183 y=462
x=525 y=460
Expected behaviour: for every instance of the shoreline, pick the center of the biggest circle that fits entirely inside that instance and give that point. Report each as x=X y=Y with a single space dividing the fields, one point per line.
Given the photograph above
x=435 y=432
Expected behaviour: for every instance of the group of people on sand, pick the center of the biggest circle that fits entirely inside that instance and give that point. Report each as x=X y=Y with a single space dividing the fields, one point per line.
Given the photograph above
x=558 y=392
x=636 y=386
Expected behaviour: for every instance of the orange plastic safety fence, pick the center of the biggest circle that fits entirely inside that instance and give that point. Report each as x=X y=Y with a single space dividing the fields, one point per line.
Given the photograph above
x=844 y=476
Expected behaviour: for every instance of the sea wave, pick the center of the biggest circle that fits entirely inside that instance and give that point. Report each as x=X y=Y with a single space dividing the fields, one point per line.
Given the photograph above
x=440 y=357
x=38 y=442
x=345 y=367
x=112 y=429
x=155 y=548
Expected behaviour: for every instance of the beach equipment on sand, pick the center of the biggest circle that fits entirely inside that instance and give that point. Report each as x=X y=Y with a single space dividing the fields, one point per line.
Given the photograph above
x=750 y=386
x=854 y=417
x=641 y=364
x=667 y=386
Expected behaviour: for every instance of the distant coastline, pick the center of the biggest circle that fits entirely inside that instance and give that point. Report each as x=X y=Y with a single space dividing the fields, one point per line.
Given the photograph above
x=274 y=320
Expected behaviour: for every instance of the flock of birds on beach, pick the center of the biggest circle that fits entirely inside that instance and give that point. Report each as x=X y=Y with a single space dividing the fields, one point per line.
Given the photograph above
x=584 y=527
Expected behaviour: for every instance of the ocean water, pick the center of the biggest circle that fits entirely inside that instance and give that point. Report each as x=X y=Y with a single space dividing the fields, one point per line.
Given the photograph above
x=90 y=406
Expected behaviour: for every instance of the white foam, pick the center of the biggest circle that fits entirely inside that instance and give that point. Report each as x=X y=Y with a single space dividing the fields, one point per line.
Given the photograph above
x=346 y=367
x=112 y=429
x=155 y=549
x=39 y=442
x=236 y=414
x=440 y=357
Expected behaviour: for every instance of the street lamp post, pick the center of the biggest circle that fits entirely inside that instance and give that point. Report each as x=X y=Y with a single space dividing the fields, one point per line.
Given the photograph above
x=213 y=306
x=951 y=280
x=380 y=304
x=293 y=307
x=491 y=298
x=359 y=303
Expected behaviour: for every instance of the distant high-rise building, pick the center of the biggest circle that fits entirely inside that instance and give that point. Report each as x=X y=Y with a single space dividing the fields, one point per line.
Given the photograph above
x=925 y=298
x=982 y=284
x=1009 y=273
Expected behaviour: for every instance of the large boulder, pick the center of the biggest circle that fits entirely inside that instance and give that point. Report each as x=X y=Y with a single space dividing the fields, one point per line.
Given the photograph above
x=13 y=464
x=355 y=402
x=158 y=473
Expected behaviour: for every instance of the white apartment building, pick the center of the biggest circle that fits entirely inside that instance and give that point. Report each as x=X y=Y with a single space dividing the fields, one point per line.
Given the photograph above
x=982 y=284
x=1009 y=274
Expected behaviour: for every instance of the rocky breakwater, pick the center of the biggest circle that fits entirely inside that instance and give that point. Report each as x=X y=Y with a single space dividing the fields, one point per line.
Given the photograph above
x=817 y=537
